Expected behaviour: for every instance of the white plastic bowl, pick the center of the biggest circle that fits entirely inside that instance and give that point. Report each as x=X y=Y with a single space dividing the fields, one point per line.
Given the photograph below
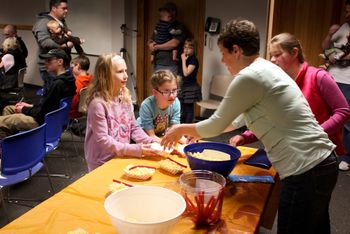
x=144 y=209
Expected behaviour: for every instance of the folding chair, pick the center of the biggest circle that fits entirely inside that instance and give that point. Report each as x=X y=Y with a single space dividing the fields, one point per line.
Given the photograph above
x=82 y=108
x=218 y=86
x=22 y=157
x=54 y=121
x=66 y=119
x=16 y=94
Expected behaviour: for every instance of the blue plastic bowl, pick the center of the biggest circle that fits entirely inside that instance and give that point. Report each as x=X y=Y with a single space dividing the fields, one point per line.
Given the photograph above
x=222 y=167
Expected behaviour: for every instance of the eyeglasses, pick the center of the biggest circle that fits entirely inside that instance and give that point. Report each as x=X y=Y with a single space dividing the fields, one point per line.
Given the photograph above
x=169 y=92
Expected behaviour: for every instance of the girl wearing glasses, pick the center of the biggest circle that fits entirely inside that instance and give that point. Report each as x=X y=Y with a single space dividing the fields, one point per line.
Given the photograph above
x=161 y=110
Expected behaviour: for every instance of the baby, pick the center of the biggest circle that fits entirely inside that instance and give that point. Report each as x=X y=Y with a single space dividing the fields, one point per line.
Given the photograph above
x=64 y=37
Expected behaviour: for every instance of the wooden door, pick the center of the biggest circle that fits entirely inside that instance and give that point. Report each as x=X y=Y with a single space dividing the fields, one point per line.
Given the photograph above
x=308 y=20
x=191 y=13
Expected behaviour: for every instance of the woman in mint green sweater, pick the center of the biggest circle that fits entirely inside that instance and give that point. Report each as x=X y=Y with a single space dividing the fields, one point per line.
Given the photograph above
x=275 y=110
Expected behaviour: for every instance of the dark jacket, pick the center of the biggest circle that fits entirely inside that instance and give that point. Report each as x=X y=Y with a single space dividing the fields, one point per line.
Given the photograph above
x=23 y=47
x=62 y=86
x=8 y=80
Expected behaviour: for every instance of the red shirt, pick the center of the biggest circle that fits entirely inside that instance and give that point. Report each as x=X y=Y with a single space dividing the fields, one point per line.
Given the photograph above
x=81 y=81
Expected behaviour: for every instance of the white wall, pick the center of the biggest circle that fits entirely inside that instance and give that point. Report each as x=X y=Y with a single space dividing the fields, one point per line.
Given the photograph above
x=227 y=10
x=10 y=12
x=98 y=22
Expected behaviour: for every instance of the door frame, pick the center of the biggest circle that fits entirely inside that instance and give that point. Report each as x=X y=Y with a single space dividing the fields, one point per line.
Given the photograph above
x=142 y=48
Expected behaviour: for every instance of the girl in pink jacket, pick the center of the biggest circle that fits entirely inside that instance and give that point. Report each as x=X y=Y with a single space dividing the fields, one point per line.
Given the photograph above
x=111 y=123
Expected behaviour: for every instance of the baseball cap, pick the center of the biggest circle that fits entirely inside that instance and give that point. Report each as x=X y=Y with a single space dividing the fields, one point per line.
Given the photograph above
x=169 y=7
x=57 y=53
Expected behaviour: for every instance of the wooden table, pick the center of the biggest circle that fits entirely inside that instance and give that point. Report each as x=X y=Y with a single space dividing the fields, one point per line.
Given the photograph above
x=246 y=205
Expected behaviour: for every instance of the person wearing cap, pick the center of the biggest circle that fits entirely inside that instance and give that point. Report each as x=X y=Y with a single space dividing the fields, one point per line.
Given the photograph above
x=58 y=12
x=163 y=53
x=24 y=116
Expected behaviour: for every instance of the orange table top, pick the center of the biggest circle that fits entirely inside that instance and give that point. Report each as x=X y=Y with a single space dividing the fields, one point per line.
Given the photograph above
x=81 y=203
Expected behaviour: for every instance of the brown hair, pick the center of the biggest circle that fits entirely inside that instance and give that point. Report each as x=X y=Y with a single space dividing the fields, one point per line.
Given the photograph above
x=191 y=42
x=242 y=33
x=102 y=83
x=83 y=61
x=288 y=42
x=160 y=77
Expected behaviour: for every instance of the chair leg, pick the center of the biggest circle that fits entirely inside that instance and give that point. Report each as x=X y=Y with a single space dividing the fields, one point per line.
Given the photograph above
x=75 y=146
x=4 y=206
x=19 y=201
x=66 y=169
x=49 y=177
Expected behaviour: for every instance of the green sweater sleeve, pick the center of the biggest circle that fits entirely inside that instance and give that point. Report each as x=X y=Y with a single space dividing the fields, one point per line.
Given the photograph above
x=243 y=93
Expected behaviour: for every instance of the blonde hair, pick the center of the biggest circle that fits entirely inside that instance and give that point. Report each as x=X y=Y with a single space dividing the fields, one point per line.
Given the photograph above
x=10 y=43
x=103 y=81
x=52 y=24
x=160 y=77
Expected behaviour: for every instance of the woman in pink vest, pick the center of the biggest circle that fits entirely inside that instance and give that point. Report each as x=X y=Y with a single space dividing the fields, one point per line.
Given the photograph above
x=326 y=100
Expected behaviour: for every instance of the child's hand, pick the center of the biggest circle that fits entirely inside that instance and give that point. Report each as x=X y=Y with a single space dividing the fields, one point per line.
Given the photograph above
x=156 y=139
x=148 y=151
x=236 y=140
x=184 y=57
x=70 y=44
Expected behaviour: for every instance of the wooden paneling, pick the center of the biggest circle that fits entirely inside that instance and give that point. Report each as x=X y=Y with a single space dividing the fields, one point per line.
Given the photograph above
x=20 y=26
x=191 y=13
x=309 y=21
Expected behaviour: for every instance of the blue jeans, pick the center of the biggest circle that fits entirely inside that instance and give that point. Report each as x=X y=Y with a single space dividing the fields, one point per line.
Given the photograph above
x=172 y=68
x=305 y=198
x=345 y=89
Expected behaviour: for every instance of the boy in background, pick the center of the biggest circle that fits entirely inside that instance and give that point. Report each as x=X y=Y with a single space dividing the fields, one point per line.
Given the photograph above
x=80 y=66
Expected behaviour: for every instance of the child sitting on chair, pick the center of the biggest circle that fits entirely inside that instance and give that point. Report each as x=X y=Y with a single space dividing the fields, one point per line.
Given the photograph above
x=80 y=66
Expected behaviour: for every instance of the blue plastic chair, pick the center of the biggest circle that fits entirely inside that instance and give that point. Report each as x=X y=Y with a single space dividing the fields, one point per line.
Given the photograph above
x=54 y=120
x=65 y=121
x=22 y=157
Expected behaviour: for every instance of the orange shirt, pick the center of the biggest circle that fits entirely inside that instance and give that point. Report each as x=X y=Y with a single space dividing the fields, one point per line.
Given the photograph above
x=81 y=81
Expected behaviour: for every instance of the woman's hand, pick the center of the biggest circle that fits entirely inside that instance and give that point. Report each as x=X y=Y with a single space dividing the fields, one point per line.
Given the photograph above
x=172 y=136
x=237 y=140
